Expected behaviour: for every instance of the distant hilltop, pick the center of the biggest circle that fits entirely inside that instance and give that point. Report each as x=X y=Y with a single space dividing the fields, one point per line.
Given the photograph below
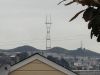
x=58 y=50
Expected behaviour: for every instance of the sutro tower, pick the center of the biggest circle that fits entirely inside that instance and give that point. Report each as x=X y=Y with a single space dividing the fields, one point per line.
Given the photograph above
x=48 y=26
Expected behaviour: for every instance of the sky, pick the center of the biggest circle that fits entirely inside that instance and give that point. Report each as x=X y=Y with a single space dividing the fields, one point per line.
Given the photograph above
x=22 y=22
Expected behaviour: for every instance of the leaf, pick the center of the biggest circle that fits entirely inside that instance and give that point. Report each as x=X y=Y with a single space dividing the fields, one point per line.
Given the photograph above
x=90 y=24
x=69 y=3
x=76 y=15
x=91 y=34
x=98 y=39
x=61 y=2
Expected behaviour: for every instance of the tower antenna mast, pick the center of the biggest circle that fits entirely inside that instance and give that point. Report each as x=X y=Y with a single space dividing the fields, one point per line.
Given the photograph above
x=48 y=27
x=82 y=45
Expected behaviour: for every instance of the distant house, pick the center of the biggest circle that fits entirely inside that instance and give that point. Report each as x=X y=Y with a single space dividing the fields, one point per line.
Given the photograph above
x=4 y=69
x=4 y=65
x=37 y=65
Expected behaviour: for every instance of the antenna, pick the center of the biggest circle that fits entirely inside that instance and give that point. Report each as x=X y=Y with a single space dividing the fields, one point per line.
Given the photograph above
x=48 y=27
x=82 y=45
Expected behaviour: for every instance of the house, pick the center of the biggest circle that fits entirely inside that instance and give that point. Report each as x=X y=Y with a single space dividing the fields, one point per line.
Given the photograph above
x=4 y=65
x=4 y=69
x=38 y=65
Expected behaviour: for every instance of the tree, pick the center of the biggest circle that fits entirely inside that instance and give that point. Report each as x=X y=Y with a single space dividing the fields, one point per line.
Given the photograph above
x=54 y=59
x=61 y=61
x=22 y=55
x=91 y=15
x=64 y=63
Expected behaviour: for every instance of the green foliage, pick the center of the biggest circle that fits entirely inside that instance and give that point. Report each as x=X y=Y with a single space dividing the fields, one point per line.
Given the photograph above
x=91 y=15
x=61 y=61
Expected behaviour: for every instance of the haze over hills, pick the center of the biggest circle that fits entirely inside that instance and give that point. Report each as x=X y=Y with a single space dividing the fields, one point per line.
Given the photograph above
x=58 y=50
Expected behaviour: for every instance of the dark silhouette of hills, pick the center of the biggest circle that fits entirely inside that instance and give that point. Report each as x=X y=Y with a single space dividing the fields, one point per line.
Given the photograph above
x=23 y=49
x=83 y=52
x=58 y=50
x=76 y=52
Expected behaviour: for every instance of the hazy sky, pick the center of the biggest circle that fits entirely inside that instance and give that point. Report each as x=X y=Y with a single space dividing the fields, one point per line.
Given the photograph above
x=22 y=22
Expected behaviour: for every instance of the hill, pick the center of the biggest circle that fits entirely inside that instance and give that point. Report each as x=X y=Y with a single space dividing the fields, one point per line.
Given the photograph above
x=57 y=50
x=83 y=52
x=76 y=52
x=23 y=49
